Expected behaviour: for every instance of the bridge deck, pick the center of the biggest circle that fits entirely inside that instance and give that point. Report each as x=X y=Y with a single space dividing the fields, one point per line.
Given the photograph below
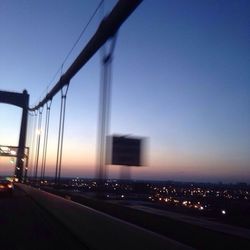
x=24 y=225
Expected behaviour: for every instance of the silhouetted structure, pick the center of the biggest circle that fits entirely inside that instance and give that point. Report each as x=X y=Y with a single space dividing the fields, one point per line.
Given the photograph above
x=21 y=100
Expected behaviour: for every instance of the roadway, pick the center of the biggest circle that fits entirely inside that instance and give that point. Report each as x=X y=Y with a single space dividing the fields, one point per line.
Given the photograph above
x=44 y=223
x=194 y=232
x=204 y=223
x=25 y=225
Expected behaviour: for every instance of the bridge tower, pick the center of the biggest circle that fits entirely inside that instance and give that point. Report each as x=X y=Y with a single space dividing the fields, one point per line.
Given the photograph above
x=21 y=100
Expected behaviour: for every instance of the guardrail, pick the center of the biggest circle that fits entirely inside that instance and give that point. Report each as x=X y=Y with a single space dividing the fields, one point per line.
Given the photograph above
x=97 y=230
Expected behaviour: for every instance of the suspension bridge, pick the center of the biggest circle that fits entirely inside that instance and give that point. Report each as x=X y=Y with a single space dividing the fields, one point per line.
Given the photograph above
x=43 y=219
x=106 y=32
x=28 y=169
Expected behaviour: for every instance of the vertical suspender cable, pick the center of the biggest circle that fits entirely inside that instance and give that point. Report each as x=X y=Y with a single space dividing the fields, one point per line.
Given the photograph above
x=29 y=129
x=60 y=136
x=32 y=151
x=26 y=165
x=38 y=141
x=29 y=140
x=104 y=113
x=59 y=141
x=45 y=141
x=29 y=137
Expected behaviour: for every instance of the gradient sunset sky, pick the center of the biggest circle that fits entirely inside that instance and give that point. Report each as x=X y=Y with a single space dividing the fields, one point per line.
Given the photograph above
x=180 y=78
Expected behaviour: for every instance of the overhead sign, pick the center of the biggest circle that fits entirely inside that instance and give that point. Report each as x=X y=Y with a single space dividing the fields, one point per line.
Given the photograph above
x=126 y=151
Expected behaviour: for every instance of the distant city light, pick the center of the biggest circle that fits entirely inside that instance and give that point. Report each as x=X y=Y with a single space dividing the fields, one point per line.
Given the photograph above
x=223 y=212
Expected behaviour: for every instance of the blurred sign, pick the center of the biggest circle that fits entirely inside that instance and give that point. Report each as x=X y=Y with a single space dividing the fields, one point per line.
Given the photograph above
x=125 y=151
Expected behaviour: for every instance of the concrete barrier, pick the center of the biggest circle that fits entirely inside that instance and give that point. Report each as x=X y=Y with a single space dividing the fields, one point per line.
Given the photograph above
x=98 y=230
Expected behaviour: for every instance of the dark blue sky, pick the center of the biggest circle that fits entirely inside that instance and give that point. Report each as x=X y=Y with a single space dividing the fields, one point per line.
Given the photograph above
x=180 y=78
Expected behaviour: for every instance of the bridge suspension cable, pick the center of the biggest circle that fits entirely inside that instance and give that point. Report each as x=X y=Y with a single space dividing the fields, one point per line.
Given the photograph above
x=30 y=125
x=38 y=132
x=104 y=111
x=74 y=45
x=32 y=151
x=45 y=141
x=60 y=135
x=106 y=30
x=83 y=31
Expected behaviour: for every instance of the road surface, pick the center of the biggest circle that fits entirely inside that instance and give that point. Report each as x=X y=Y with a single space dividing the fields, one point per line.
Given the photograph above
x=215 y=226
x=25 y=225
